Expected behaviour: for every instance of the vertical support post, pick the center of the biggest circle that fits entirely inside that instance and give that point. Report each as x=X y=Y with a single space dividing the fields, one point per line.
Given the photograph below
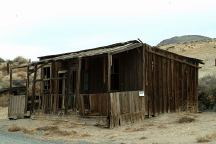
x=33 y=89
x=10 y=92
x=109 y=64
x=79 y=97
x=109 y=104
x=8 y=67
x=27 y=89
x=196 y=88
x=144 y=75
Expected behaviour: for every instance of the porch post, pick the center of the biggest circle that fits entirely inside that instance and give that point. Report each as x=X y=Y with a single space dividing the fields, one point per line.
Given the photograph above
x=79 y=97
x=33 y=89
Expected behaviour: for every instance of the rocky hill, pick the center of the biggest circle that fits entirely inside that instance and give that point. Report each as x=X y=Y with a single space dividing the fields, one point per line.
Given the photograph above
x=183 y=39
x=204 y=49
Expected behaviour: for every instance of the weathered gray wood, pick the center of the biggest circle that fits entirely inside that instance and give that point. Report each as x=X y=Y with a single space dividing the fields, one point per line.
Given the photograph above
x=16 y=107
x=33 y=89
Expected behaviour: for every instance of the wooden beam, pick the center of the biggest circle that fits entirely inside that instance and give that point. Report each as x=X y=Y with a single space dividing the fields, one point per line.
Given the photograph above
x=33 y=89
x=10 y=93
x=137 y=45
x=171 y=58
x=79 y=97
x=109 y=63
x=27 y=90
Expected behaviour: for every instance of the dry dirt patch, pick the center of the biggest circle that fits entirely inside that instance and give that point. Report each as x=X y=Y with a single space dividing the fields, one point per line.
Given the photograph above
x=186 y=119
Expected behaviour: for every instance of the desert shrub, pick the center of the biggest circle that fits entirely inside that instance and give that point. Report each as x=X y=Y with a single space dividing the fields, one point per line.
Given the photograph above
x=2 y=60
x=207 y=93
x=207 y=138
x=20 y=60
x=186 y=119
x=14 y=128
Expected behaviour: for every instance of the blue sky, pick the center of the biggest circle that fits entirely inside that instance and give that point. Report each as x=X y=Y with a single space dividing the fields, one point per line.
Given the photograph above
x=34 y=28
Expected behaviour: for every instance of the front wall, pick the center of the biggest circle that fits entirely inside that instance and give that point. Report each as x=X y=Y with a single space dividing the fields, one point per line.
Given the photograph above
x=126 y=107
x=16 y=107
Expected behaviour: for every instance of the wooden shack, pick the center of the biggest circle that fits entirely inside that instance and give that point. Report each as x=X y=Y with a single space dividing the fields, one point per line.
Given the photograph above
x=122 y=82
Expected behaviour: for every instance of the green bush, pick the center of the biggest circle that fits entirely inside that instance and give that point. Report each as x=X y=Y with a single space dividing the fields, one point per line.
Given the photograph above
x=20 y=60
x=207 y=93
x=2 y=60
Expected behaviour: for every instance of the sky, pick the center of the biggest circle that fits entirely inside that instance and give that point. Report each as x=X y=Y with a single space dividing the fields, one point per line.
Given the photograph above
x=32 y=28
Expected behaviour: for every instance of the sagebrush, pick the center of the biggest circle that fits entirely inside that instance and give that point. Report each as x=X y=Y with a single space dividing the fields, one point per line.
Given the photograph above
x=207 y=93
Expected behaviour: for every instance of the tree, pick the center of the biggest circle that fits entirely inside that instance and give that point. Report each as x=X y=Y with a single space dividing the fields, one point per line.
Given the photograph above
x=2 y=60
x=20 y=60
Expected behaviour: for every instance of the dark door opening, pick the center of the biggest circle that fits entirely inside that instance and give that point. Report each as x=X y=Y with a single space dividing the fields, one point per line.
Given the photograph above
x=61 y=89
x=115 y=74
x=72 y=89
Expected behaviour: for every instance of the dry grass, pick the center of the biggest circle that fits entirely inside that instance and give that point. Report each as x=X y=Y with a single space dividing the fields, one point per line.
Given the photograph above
x=134 y=129
x=47 y=128
x=4 y=99
x=55 y=131
x=203 y=140
x=58 y=133
x=85 y=135
x=27 y=131
x=14 y=128
x=186 y=119
x=162 y=126
x=142 y=138
x=206 y=138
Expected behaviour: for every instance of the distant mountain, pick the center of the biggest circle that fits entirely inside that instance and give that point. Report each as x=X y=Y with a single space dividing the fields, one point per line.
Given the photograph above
x=183 y=39
x=201 y=49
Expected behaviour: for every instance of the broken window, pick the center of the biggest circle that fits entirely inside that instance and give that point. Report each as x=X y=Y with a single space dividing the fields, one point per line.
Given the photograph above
x=46 y=77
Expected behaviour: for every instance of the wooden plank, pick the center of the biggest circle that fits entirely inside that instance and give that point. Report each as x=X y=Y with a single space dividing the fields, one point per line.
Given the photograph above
x=154 y=85
x=79 y=97
x=33 y=89
x=144 y=73
x=150 y=96
x=27 y=89
x=146 y=82
x=109 y=57
x=171 y=58
x=10 y=92
x=17 y=106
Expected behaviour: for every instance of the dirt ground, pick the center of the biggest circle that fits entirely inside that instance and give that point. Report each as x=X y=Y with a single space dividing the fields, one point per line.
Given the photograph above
x=163 y=129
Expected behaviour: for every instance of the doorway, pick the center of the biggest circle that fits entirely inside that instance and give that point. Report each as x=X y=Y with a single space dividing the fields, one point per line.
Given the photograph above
x=61 y=89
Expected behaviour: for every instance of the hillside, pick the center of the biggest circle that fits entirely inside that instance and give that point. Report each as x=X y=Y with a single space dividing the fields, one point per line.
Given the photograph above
x=204 y=50
x=183 y=39
x=18 y=76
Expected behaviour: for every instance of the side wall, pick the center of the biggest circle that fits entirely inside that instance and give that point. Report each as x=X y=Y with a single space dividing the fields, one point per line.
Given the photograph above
x=170 y=82
x=170 y=85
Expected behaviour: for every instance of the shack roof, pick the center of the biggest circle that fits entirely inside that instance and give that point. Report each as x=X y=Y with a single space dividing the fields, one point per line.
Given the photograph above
x=95 y=51
x=112 y=49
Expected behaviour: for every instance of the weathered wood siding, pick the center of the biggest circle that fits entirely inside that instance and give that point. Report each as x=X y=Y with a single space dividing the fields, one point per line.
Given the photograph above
x=16 y=107
x=170 y=82
x=130 y=69
x=95 y=104
x=93 y=74
x=126 y=107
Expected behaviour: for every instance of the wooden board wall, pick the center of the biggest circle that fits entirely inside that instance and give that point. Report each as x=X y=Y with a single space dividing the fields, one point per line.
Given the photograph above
x=130 y=70
x=96 y=69
x=126 y=107
x=16 y=107
x=99 y=104
x=171 y=83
